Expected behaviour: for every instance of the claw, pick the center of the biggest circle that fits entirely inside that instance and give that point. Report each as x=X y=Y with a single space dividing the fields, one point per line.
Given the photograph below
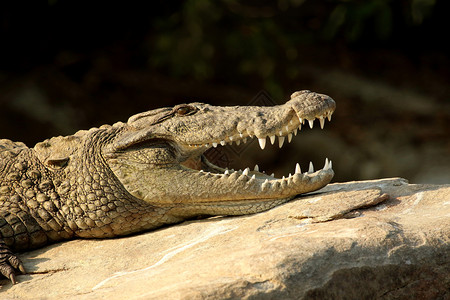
x=22 y=269
x=12 y=277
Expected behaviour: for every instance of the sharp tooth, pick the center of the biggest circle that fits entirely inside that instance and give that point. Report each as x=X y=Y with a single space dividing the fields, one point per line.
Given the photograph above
x=222 y=143
x=265 y=183
x=253 y=177
x=230 y=138
x=300 y=120
x=273 y=174
x=287 y=128
x=241 y=135
x=330 y=166
x=290 y=175
x=300 y=126
x=280 y=141
x=295 y=131
x=297 y=169
x=238 y=142
x=226 y=172
x=245 y=140
x=311 y=167
x=289 y=137
x=282 y=178
x=201 y=171
x=311 y=123
x=280 y=133
x=322 y=122
x=329 y=117
x=214 y=145
x=326 y=164
x=262 y=142
x=245 y=171
x=206 y=145
x=272 y=139
x=256 y=168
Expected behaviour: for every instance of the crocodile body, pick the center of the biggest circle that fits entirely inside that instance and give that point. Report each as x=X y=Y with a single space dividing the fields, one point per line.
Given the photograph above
x=136 y=176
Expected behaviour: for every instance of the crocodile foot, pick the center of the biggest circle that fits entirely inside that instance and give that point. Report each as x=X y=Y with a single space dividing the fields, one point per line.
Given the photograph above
x=9 y=263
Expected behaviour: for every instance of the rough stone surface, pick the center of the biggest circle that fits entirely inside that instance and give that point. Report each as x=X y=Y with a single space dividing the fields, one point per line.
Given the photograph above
x=358 y=240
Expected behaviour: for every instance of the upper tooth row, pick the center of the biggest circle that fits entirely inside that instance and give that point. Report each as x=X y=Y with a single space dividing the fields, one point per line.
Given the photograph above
x=281 y=135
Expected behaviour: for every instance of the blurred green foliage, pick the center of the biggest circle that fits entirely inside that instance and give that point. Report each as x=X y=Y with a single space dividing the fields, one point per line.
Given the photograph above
x=353 y=17
x=263 y=39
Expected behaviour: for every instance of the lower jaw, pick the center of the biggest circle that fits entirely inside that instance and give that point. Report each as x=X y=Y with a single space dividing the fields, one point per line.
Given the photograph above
x=229 y=208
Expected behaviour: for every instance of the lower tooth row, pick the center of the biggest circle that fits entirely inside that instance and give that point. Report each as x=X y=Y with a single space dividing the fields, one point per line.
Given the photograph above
x=327 y=166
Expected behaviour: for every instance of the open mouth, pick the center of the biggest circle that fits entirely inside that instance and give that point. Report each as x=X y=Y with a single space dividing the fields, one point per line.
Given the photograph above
x=256 y=177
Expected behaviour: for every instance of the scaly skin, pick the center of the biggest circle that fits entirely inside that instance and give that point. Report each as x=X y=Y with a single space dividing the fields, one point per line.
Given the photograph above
x=136 y=176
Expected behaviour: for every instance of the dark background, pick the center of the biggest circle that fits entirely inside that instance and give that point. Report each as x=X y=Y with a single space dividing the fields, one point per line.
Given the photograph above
x=70 y=65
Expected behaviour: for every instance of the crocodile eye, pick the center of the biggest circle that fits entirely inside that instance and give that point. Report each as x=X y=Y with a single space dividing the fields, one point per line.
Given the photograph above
x=185 y=110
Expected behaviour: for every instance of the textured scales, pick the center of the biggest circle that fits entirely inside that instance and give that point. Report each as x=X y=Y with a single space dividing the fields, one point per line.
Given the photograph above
x=148 y=172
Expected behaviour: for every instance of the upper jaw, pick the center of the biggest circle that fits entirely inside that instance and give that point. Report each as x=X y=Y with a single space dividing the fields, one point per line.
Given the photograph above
x=286 y=129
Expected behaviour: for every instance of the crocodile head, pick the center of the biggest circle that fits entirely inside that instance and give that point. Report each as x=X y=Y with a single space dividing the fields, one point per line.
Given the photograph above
x=158 y=155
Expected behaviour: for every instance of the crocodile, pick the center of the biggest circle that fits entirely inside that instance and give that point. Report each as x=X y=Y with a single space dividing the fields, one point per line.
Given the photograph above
x=151 y=171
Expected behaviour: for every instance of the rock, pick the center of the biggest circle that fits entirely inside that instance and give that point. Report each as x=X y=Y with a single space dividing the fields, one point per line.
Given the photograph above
x=358 y=240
